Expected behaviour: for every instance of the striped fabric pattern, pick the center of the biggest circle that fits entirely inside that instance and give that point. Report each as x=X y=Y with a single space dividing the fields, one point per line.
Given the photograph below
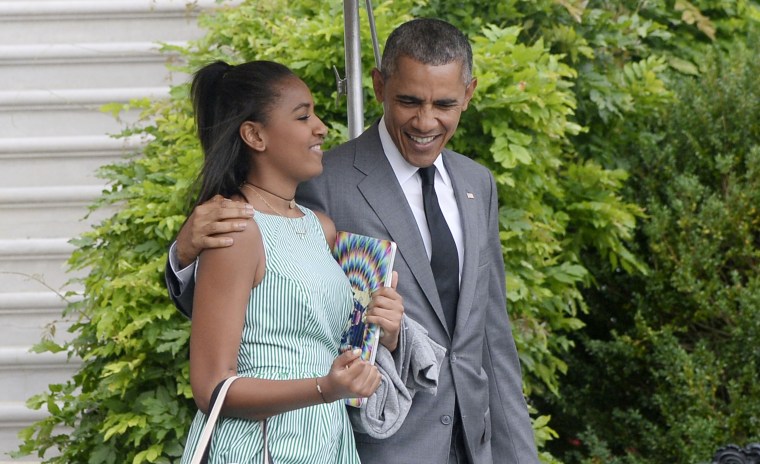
x=292 y=330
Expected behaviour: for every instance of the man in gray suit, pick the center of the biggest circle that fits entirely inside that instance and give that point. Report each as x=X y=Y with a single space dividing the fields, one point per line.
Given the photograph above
x=373 y=185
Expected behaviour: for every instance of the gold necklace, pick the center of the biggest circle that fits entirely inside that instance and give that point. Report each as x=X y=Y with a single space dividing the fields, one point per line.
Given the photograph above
x=300 y=233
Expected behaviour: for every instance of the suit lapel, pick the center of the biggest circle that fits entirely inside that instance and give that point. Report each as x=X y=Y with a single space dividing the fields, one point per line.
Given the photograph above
x=398 y=220
x=468 y=212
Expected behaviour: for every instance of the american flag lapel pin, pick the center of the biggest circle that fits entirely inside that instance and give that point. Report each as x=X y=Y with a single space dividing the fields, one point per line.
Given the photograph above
x=470 y=195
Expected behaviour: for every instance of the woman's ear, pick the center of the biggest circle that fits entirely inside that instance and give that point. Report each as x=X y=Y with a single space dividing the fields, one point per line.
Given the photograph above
x=253 y=135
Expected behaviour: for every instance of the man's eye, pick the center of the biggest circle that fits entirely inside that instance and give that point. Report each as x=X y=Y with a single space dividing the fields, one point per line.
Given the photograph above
x=304 y=117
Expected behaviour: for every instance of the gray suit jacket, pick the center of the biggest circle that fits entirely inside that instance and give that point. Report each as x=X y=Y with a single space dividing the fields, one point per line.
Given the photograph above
x=359 y=191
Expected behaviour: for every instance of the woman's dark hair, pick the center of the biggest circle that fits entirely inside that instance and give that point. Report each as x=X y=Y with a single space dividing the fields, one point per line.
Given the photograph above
x=224 y=97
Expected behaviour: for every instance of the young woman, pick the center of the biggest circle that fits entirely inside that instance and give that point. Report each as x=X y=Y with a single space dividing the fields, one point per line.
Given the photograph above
x=271 y=307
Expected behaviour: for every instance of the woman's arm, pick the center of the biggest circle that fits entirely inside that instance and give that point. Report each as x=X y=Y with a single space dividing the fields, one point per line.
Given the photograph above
x=224 y=280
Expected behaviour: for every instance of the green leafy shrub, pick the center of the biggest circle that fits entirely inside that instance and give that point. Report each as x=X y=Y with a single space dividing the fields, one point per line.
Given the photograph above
x=667 y=369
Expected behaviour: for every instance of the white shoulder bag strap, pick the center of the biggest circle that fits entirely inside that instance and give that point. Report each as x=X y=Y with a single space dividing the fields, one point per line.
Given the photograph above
x=208 y=429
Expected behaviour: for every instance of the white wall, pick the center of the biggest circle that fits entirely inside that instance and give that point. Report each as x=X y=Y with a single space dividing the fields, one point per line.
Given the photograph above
x=60 y=60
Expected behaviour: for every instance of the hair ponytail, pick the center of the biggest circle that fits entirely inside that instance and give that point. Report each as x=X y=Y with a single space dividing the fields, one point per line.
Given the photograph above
x=205 y=94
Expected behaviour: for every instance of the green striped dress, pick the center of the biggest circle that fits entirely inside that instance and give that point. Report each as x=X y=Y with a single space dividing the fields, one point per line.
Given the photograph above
x=292 y=330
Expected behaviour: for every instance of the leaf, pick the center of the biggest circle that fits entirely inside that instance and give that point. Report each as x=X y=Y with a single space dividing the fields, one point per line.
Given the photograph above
x=683 y=66
x=692 y=15
x=575 y=8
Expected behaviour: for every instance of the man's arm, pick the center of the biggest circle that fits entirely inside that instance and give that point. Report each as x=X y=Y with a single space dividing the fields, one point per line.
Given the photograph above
x=206 y=227
x=512 y=433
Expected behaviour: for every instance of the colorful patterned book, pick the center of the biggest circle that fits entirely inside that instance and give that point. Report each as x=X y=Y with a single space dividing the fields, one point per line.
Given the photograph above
x=368 y=263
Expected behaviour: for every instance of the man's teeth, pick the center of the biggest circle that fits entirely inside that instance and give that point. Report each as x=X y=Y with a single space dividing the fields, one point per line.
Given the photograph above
x=422 y=140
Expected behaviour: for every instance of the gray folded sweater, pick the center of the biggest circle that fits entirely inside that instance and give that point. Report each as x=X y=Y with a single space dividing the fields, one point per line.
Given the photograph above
x=414 y=368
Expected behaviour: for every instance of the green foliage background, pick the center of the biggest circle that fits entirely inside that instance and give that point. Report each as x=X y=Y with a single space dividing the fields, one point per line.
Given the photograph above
x=571 y=94
x=671 y=359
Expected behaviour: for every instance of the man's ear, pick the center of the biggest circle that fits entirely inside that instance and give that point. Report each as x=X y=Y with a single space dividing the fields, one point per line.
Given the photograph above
x=253 y=135
x=469 y=91
x=378 y=83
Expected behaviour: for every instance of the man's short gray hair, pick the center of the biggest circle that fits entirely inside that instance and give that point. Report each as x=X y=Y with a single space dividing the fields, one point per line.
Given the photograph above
x=429 y=41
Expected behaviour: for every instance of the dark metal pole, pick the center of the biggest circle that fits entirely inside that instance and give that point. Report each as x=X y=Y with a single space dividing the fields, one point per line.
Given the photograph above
x=373 y=32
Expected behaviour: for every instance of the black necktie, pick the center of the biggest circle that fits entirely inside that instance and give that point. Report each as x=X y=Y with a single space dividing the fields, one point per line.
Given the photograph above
x=444 y=259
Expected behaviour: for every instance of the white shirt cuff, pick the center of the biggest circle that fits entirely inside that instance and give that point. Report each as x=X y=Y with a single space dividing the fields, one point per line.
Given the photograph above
x=184 y=276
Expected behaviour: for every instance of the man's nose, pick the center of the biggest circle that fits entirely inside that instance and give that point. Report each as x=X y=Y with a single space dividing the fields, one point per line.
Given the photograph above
x=425 y=120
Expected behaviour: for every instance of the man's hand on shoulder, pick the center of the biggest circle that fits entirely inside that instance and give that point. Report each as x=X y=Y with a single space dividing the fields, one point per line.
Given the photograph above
x=208 y=225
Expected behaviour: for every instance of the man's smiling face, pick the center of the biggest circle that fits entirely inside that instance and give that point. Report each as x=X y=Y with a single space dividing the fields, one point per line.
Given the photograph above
x=422 y=105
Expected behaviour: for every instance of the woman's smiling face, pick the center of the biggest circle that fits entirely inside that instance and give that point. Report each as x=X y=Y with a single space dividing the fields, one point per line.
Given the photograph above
x=293 y=133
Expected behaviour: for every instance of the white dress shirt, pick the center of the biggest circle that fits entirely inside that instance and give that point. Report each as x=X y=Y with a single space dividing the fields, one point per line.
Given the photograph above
x=411 y=184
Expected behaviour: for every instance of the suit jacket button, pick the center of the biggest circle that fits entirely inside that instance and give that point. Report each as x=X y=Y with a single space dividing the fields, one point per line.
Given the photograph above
x=453 y=357
x=446 y=419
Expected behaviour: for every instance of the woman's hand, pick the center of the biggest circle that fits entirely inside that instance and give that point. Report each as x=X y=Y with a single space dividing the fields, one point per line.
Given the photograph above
x=386 y=309
x=350 y=377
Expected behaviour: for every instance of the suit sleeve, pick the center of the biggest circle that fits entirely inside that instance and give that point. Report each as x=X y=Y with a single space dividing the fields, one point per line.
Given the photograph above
x=512 y=433
x=181 y=295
